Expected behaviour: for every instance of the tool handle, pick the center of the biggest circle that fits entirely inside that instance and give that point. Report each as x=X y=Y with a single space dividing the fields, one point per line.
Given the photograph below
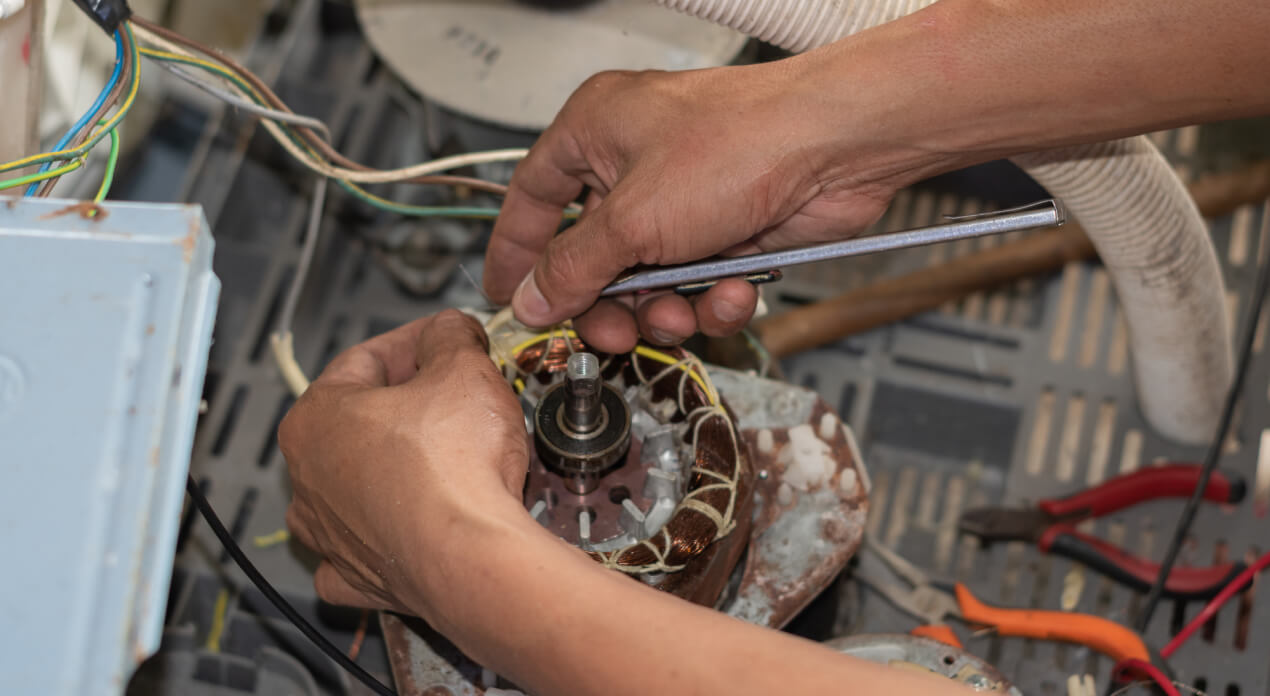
x=1133 y=571
x=1151 y=483
x=1102 y=635
x=940 y=632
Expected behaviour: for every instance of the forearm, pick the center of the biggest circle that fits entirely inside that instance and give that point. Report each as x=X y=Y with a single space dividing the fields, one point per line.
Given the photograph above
x=554 y=621
x=965 y=81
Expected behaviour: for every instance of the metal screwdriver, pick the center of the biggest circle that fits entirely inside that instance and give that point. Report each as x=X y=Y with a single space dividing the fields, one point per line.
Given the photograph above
x=699 y=276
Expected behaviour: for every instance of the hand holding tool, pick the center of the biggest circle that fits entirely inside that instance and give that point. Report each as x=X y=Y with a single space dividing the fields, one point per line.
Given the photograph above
x=691 y=278
x=1050 y=524
x=925 y=601
x=894 y=298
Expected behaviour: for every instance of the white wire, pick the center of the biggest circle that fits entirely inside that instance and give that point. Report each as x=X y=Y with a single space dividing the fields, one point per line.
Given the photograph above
x=371 y=177
x=245 y=104
x=287 y=315
x=282 y=340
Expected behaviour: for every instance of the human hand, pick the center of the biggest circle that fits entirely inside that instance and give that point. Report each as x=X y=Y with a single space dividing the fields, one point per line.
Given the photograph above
x=680 y=166
x=408 y=448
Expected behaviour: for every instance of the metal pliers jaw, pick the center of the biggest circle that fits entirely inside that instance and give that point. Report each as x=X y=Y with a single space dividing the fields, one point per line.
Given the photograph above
x=921 y=596
x=1051 y=525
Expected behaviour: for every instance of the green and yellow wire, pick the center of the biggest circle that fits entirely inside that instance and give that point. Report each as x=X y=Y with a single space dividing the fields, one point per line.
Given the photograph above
x=74 y=158
x=105 y=128
x=112 y=161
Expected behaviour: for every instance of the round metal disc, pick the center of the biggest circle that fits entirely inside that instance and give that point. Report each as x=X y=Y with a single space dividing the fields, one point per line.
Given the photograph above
x=928 y=654
x=594 y=455
x=514 y=64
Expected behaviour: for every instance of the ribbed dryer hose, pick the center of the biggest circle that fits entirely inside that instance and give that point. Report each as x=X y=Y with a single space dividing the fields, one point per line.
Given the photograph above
x=1136 y=211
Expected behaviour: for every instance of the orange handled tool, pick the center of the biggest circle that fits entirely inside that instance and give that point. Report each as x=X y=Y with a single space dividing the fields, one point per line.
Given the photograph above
x=1105 y=636
x=940 y=632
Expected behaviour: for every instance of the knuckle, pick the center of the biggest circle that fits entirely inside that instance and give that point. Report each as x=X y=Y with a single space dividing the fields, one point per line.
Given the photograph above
x=295 y=524
x=289 y=433
x=559 y=270
x=325 y=585
x=641 y=243
x=454 y=322
x=450 y=315
x=603 y=82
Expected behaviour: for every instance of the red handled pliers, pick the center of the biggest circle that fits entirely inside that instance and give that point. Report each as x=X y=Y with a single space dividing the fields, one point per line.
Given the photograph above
x=1051 y=525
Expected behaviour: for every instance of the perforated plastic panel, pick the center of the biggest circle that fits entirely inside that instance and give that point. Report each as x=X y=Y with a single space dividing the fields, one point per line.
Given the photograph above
x=1006 y=396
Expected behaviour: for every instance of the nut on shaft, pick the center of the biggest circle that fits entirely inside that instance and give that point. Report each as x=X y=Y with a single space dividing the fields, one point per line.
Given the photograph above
x=582 y=426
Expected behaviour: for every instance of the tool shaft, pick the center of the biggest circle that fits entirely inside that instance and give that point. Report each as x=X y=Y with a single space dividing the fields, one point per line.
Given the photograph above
x=1043 y=214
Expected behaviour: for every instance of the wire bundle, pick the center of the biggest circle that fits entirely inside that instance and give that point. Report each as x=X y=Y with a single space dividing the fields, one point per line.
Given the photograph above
x=307 y=139
x=71 y=152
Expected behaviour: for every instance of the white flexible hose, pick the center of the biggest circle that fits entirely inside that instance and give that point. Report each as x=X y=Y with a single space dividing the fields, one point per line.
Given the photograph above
x=1136 y=211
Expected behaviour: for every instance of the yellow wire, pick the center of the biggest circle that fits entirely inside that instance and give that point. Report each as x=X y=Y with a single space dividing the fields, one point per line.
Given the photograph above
x=264 y=541
x=568 y=333
x=43 y=176
x=645 y=351
x=114 y=121
x=146 y=51
x=218 y=622
x=667 y=359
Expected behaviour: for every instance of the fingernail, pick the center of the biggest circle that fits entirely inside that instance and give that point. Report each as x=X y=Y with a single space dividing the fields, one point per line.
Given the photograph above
x=664 y=338
x=727 y=311
x=531 y=307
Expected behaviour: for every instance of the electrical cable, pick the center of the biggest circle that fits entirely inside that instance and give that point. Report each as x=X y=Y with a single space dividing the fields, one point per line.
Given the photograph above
x=247 y=105
x=347 y=169
x=364 y=175
x=1149 y=670
x=96 y=106
x=307 y=250
x=290 y=142
x=1210 y=610
x=39 y=177
x=275 y=598
x=166 y=58
x=1213 y=455
x=282 y=340
x=112 y=100
x=112 y=161
x=98 y=135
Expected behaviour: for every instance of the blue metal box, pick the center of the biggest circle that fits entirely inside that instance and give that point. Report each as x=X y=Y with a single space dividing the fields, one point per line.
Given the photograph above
x=105 y=325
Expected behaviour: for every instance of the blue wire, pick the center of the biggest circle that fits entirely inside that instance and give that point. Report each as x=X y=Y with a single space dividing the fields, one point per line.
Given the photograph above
x=83 y=120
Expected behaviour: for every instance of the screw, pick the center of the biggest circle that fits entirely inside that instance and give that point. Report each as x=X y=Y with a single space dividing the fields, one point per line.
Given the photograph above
x=582 y=395
x=977 y=682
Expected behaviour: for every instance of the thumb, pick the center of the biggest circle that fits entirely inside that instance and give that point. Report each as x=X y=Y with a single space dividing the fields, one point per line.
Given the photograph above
x=579 y=263
x=447 y=339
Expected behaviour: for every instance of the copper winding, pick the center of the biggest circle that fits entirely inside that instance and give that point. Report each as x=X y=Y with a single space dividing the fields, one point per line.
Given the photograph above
x=707 y=511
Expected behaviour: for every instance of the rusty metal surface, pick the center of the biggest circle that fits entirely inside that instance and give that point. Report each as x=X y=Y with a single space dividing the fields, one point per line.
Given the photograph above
x=541 y=484
x=804 y=532
x=927 y=654
x=801 y=534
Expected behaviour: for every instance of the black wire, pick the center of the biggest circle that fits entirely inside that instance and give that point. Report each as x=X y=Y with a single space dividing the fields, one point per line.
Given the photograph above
x=236 y=552
x=1213 y=455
